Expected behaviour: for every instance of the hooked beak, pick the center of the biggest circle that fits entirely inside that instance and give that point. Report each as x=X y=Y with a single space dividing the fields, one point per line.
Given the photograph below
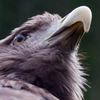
x=72 y=28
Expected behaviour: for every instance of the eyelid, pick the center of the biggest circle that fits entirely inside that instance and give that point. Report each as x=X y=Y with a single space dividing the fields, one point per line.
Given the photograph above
x=24 y=32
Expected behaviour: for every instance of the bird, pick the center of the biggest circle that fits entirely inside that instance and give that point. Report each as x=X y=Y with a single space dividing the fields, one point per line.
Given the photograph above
x=40 y=61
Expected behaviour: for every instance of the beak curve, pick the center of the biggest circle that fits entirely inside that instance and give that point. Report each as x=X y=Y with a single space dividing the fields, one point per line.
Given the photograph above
x=72 y=27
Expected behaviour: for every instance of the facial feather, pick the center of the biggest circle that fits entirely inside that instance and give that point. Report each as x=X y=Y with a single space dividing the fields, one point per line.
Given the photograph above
x=55 y=69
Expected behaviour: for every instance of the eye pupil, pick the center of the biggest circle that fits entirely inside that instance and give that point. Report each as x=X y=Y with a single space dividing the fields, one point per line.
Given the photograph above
x=20 y=39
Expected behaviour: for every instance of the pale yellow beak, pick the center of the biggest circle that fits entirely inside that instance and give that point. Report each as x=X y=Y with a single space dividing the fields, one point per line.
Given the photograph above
x=72 y=27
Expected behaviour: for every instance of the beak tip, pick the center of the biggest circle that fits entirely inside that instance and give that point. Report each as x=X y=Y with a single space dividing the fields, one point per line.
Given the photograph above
x=82 y=13
x=87 y=16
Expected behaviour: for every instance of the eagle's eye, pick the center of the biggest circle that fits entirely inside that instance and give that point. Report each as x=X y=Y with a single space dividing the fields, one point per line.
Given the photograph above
x=19 y=38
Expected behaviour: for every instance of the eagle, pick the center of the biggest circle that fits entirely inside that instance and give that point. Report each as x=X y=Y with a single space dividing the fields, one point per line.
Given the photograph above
x=40 y=61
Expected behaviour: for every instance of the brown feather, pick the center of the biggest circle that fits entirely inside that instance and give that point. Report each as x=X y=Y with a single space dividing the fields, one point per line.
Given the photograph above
x=19 y=90
x=55 y=69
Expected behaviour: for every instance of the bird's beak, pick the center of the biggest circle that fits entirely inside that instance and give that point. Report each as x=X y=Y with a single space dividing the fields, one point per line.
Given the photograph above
x=72 y=27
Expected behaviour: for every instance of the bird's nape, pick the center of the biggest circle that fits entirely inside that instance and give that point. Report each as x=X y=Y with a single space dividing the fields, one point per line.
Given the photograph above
x=43 y=53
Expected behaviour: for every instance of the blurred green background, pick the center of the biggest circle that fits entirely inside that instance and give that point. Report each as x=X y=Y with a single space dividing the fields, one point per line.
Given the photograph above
x=14 y=12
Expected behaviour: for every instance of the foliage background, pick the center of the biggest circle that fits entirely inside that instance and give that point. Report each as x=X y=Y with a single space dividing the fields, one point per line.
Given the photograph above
x=14 y=12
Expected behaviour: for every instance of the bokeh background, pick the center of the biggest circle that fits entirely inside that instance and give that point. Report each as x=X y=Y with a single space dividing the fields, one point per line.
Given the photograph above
x=14 y=12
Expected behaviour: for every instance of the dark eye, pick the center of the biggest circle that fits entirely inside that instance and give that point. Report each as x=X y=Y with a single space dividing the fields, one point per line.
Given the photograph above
x=19 y=39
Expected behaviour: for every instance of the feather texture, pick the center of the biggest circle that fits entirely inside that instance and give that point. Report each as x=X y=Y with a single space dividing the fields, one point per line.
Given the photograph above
x=29 y=69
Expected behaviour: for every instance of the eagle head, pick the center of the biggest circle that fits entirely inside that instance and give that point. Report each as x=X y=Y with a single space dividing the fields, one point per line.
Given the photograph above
x=44 y=52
